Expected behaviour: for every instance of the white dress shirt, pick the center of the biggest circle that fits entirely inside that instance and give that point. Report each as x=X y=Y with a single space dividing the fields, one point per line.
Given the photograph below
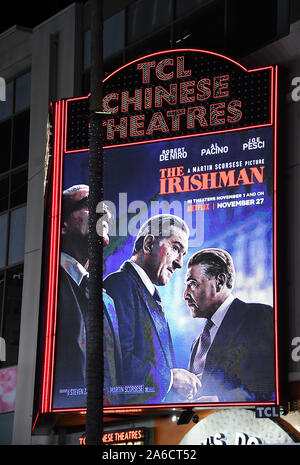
x=219 y=315
x=217 y=319
x=151 y=288
x=74 y=269
x=144 y=277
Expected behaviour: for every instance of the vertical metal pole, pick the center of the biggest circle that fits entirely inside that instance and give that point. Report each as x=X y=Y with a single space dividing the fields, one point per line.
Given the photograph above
x=94 y=348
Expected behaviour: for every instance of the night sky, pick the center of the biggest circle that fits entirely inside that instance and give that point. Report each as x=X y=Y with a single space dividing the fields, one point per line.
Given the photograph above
x=30 y=14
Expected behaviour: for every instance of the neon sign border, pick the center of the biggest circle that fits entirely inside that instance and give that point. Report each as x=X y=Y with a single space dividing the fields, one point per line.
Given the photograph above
x=60 y=133
x=271 y=68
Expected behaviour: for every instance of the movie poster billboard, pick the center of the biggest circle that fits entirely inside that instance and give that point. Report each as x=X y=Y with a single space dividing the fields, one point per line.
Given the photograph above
x=189 y=235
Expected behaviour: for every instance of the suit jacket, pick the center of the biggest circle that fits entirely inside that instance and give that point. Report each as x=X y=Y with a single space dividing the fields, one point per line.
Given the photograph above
x=144 y=335
x=69 y=374
x=240 y=362
x=70 y=346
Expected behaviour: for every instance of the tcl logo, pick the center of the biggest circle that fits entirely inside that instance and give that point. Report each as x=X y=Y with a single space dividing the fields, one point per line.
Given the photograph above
x=269 y=412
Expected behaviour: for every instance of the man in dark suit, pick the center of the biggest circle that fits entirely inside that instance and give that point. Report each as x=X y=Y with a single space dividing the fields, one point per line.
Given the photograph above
x=234 y=355
x=145 y=338
x=70 y=345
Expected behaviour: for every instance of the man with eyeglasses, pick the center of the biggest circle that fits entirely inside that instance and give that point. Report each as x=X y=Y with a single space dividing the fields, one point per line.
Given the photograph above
x=234 y=355
x=151 y=375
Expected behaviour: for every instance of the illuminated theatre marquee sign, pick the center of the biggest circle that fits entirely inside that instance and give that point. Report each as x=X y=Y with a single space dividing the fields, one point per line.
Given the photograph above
x=198 y=131
x=176 y=93
x=181 y=93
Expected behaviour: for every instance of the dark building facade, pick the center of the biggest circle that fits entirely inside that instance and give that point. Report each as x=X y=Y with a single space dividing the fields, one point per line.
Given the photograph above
x=51 y=61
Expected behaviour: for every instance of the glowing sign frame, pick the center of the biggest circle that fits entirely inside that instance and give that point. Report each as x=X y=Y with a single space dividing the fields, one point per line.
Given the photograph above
x=60 y=147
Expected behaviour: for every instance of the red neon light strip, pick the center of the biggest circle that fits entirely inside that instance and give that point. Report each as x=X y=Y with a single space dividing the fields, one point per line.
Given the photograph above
x=54 y=259
x=48 y=321
x=166 y=406
x=57 y=237
x=185 y=137
x=53 y=263
x=180 y=50
x=272 y=97
x=35 y=421
x=49 y=333
x=66 y=121
x=275 y=235
x=174 y=138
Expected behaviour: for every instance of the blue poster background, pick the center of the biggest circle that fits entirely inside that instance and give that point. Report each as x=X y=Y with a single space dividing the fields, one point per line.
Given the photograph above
x=245 y=231
x=132 y=190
